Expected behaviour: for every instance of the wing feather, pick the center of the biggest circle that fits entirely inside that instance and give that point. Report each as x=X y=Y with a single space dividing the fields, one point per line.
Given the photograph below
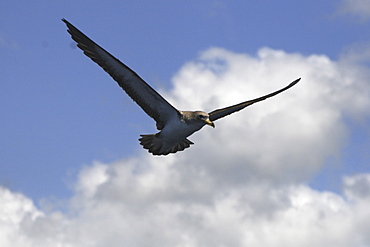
x=220 y=113
x=145 y=96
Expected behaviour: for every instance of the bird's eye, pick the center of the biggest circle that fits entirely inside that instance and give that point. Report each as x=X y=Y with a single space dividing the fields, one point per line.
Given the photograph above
x=201 y=116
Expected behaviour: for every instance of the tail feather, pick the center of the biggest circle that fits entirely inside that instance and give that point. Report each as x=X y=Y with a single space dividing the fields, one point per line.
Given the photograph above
x=154 y=145
x=181 y=146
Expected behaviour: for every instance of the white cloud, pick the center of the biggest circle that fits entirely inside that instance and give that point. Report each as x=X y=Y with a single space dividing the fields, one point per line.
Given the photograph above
x=359 y=8
x=272 y=138
x=15 y=209
x=357 y=187
x=256 y=215
x=241 y=184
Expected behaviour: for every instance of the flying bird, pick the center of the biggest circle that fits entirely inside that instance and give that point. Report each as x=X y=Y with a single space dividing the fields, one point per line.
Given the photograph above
x=174 y=125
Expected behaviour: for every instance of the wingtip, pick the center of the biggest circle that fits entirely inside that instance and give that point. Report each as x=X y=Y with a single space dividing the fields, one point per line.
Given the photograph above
x=295 y=82
x=65 y=21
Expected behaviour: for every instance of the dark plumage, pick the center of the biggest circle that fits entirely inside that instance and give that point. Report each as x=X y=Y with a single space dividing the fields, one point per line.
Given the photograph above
x=174 y=125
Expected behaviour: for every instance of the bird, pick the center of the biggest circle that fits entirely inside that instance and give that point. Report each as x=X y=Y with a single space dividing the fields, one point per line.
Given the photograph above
x=175 y=126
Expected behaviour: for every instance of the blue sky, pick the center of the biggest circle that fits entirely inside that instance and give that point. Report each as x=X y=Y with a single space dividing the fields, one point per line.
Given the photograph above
x=61 y=115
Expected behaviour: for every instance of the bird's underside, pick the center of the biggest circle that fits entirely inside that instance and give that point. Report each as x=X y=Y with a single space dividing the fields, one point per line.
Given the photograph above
x=174 y=125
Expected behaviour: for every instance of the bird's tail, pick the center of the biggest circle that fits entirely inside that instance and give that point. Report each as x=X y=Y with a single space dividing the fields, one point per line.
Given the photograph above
x=155 y=145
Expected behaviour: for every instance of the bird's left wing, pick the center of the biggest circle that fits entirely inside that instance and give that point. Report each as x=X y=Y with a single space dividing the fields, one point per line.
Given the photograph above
x=220 y=113
x=144 y=95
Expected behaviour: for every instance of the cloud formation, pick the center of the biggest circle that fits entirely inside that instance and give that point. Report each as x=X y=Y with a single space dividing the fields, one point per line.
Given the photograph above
x=359 y=8
x=241 y=184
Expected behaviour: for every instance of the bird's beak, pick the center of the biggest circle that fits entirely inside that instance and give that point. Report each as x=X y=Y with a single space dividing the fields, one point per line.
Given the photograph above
x=209 y=122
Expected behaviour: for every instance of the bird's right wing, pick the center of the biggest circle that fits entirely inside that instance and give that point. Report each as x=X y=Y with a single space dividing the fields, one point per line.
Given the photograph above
x=219 y=113
x=145 y=96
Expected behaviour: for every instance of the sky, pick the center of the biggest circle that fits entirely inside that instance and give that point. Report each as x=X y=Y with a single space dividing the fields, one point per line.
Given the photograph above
x=289 y=171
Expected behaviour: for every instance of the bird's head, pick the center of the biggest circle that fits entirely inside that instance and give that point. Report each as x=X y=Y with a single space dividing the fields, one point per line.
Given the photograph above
x=204 y=117
x=196 y=118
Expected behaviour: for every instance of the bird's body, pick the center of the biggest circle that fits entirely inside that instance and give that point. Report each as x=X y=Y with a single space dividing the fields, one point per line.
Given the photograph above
x=172 y=137
x=174 y=125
